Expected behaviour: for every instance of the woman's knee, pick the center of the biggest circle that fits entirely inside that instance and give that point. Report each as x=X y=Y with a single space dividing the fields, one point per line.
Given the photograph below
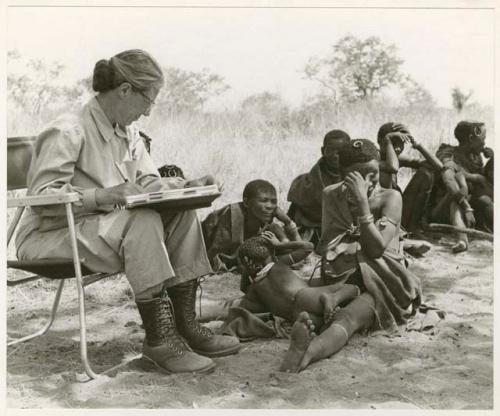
x=145 y=217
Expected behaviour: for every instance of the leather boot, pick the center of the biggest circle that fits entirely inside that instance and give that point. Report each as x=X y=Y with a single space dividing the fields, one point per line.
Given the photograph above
x=200 y=338
x=163 y=345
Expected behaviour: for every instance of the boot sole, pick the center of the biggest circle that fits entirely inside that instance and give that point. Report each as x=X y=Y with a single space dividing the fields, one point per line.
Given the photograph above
x=207 y=369
x=223 y=353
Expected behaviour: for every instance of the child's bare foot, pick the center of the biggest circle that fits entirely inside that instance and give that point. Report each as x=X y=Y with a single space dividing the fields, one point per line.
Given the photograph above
x=330 y=306
x=300 y=338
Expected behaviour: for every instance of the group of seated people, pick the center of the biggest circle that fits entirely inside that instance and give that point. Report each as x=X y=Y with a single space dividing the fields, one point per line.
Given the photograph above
x=351 y=211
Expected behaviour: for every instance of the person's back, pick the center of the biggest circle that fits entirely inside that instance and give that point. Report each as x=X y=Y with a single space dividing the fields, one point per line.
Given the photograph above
x=277 y=289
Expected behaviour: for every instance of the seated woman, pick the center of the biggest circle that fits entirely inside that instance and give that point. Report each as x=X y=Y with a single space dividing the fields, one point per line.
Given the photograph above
x=225 y=229
x=359 y=246
x=99 y=153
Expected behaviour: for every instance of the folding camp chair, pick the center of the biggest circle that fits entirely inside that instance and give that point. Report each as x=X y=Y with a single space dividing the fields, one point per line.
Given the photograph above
x=19 y=152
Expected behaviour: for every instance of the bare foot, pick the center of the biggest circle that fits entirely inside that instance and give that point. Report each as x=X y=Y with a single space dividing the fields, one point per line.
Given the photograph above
x=330 y=306
x=459 y=247
x=300 y=338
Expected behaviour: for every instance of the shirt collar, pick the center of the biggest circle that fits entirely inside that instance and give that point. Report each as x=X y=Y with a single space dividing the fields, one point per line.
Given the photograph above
x=107 y=130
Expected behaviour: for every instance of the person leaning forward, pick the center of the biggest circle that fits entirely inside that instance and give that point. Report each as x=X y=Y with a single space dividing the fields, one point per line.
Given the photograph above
x=162 y=255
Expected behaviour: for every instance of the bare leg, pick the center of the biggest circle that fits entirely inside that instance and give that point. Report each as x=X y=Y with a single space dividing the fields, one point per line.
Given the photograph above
x=358 y=314
x=415 y=200
x=300 y=338
x=323 y=300
x=331 y=301
x=458 y=221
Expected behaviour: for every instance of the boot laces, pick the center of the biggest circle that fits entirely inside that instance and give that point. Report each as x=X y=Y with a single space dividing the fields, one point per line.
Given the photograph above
x=167 y=322
x=190 y=312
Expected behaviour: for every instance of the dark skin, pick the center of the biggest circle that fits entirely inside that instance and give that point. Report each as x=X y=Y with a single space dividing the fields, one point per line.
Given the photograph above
x=260 y=212
x=330 y=153
x=282 y=287
x=392 y=157
x=305 y=346
x=457 y=185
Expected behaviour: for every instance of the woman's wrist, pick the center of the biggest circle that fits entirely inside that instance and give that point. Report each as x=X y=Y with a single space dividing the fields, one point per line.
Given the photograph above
x=363 y=207
x=365 y=219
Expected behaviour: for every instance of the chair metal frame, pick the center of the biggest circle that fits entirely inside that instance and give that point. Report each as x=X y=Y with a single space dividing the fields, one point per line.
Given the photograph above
x=67 y=199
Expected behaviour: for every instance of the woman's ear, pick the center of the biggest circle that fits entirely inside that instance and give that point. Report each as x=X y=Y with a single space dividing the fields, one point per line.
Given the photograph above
x=124 y=89
x=245 y=202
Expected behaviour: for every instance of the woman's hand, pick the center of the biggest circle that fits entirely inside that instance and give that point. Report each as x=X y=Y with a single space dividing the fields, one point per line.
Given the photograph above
x=358 y=186
x=115 y=195
x=281 y=216
x=271 y=238
x=204 y=181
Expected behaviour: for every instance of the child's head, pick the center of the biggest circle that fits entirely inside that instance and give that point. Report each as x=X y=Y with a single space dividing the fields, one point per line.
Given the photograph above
x=397 y=141
x=253 y=255
x=260 y=200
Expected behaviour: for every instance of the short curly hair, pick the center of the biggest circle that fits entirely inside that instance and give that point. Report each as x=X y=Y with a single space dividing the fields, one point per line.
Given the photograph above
x=336 y=135
x=358 y=151
x=252 y=188
x=256 y=249
x=391 y=127
x=466 y=128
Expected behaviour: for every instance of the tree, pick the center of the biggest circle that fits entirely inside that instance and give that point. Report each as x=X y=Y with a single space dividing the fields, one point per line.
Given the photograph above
x=356 y=68
x=189 y=91
x=460 y=98
x=34 y=85
x=415 y=94
x=270 y=109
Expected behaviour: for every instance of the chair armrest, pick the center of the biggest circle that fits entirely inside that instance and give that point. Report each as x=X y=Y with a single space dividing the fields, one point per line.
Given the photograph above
x=39 y=200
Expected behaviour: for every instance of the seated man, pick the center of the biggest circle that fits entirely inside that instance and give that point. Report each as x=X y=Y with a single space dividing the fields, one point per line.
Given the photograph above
x=277 y=289
x=225 y=229
x=461 y=192
x=306 y=189
x=391 y=138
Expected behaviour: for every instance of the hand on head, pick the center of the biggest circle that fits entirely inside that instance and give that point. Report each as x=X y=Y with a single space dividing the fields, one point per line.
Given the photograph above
x=270 y=237
x=358 y=186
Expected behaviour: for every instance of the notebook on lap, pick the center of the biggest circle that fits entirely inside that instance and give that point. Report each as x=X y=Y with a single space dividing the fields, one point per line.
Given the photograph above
x=175 y=199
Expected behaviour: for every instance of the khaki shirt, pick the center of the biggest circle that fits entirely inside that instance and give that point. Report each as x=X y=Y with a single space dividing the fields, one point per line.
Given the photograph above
x=77 y=153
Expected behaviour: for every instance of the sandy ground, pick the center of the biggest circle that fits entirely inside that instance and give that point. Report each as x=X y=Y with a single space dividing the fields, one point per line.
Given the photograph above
x=447 y=367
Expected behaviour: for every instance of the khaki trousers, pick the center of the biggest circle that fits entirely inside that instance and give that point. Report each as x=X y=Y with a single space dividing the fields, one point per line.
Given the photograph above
x=150 y=248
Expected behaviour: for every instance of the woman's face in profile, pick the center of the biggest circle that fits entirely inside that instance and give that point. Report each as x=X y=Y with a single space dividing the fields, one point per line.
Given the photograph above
x=136 y=103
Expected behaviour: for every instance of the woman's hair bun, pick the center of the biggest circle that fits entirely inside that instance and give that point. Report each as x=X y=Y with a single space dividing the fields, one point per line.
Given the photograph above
x=102 y=79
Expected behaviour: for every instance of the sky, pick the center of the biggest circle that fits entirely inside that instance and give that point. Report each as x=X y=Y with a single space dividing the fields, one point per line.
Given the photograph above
x=258 y=50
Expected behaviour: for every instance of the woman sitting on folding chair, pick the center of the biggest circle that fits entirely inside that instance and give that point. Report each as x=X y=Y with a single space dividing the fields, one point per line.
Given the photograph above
x=100 y=154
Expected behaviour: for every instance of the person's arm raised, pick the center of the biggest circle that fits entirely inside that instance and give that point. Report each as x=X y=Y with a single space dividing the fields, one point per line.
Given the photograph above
x=374 y=241
x=391 y=162
x=432 y=159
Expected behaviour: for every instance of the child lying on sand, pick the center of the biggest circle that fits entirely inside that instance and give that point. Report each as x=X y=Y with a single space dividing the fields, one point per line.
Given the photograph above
x=276 y=288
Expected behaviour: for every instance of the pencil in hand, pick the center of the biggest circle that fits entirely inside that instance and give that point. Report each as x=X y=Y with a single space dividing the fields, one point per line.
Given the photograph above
x=120 y=171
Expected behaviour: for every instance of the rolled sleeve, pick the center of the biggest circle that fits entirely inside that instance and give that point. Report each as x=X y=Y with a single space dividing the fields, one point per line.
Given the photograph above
x=88 y=199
